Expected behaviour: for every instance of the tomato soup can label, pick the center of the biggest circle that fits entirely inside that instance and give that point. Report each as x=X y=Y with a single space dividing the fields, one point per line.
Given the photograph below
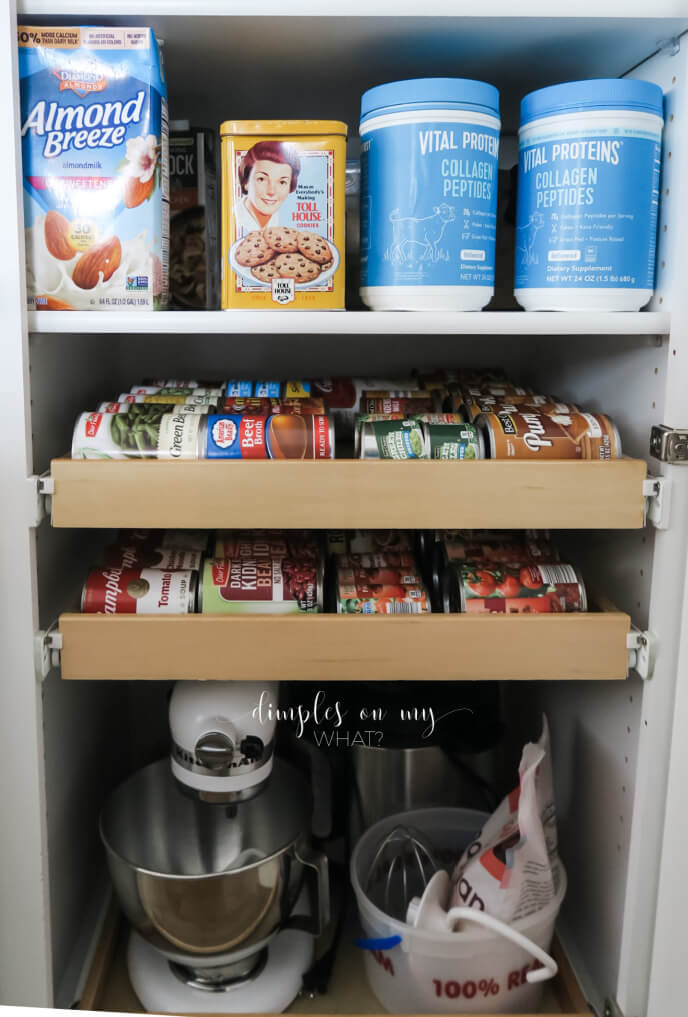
x=141 y=433
x=563 y=436
x=483 y=588
x=260 y=585
x=118 y=590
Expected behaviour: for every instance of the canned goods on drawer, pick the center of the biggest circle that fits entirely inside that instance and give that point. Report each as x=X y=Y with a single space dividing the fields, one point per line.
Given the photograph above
x=260 y=584
x=484 y=588
x=118 y=590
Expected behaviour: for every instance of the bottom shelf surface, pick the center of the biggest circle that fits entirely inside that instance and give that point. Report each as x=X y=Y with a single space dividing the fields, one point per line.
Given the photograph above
x=108 y=987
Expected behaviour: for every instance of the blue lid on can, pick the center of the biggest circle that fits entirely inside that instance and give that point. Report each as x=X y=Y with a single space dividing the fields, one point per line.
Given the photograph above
x=430 y=93
x=595 y=94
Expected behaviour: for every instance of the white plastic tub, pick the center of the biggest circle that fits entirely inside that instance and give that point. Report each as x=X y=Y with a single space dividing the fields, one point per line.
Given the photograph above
x=475 y=970
x=588 y=196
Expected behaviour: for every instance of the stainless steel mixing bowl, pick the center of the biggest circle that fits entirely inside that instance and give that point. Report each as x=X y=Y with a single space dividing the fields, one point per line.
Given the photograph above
x=210 y=884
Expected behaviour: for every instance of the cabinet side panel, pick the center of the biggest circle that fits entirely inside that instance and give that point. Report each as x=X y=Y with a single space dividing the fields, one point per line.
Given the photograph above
x=25 y=965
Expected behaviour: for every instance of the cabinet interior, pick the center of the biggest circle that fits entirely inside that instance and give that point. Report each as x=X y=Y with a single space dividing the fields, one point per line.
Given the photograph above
x=96 y=732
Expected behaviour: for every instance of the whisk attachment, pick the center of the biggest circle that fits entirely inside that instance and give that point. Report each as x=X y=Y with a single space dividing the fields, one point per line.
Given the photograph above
x=402 y=866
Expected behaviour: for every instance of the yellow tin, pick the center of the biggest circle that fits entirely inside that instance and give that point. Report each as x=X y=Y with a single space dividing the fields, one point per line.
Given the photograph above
x=283 y=214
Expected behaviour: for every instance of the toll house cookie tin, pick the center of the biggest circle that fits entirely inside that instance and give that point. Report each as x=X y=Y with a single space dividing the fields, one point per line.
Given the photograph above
x=283 y=214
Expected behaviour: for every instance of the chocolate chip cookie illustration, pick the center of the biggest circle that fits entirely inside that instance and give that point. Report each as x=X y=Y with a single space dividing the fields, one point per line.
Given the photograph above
x=267 y=272
x=254 y=250
x=314 y=248
x=297 y=267
x=282 y=239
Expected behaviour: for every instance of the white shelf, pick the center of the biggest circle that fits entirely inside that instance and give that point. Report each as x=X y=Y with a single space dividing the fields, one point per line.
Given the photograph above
x=350 y=322
x=491 y=8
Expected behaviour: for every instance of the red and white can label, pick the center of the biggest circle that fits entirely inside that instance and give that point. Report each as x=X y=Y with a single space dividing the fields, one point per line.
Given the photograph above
x=138 y=591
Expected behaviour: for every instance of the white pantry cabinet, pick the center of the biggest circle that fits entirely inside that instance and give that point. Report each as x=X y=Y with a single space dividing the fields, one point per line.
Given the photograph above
x=619 y=745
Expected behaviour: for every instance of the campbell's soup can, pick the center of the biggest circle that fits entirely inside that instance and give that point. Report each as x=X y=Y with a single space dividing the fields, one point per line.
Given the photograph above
x=144 y=432
x=260 y=585
x=486 y=588
x=358 y=596
x=564 y=436
x=118 y=590
x=171 y=559
x=281 y=436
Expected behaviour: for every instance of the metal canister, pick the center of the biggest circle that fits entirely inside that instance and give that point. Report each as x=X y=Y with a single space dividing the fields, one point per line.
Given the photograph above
x=393 y=439
x=410 y=405
x=171 y=559
x=534 y=435
x=492 y=549
x=261 y=585
x=118 y=590
x=144 y=432
x=482 y=588
x=359 y=597
x=455 y=441
x=388 y=580
x=472 y=410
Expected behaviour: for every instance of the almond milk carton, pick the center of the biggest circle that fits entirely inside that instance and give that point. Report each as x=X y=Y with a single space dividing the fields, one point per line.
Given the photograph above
x=95 y=164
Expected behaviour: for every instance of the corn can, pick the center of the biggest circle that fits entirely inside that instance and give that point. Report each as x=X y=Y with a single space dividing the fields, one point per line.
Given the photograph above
x=283 y=214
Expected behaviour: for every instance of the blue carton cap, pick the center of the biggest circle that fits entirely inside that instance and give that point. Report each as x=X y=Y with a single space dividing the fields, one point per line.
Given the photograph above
x=430 y=93
x=595 y=94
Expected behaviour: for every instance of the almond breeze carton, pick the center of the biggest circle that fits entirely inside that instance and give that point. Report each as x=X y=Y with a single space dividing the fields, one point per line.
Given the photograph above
x=95 y=164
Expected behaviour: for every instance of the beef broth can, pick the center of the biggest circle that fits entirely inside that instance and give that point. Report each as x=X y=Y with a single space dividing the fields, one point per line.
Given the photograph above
x=260 y=584
x=485 y=588
x=535 y=436
x=118 y=590
x=280 y=436
x=283 y=214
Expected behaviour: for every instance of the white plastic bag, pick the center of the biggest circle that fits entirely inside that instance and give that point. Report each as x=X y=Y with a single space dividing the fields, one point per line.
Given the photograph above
x=511 y=870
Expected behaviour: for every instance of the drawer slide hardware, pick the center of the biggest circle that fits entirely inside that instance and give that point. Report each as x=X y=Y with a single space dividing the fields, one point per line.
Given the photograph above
x=642 y=652
x=47 y=647
x=612 y=1008
x=41 y=489
x=669 y=444
x=656 y=490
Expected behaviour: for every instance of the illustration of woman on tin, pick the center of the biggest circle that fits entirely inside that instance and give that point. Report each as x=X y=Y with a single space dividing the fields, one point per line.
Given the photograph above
x=268 y=173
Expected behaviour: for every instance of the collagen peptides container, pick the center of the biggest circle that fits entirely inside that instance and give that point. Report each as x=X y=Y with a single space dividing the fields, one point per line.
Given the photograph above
x=588 y=196
x=429 y=153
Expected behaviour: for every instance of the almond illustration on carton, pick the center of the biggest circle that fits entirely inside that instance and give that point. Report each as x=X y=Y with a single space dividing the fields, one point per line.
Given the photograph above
x=103 y=257
x=136 y=191
x=57 y=236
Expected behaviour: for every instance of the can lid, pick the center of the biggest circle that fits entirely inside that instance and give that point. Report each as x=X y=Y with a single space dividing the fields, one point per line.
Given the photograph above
x=429 y=93
x=278 y=128
x=595 y=94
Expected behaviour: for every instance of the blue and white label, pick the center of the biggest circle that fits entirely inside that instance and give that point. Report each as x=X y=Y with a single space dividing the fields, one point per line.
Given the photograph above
x=587 y=209
x=429 y=204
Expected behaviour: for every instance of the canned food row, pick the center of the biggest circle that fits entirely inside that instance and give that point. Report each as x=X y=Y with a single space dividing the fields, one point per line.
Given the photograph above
x=459 y=414
x=348 y=572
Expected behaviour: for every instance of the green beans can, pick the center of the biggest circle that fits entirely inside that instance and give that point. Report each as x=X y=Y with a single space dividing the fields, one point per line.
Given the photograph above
x=145 y=432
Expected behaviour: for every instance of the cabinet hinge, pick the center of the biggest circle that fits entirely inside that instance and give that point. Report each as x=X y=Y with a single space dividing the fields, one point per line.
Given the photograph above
x=670 y=444
x=671 y=46
x=41 y=489
x=656 y=491
x=642 y=652
x=46 y=648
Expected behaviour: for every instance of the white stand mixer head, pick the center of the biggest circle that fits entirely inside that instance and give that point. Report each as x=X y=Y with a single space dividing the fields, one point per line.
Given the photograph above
x=223 y=737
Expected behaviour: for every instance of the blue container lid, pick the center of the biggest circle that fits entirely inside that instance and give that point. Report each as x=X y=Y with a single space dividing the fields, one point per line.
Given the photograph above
x=597 y=93
x=430 y=93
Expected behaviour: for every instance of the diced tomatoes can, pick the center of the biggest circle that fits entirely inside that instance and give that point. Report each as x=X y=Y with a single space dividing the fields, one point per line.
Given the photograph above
x=510 y=550
x=356 y=596
x=261 y=584
x=118 y=590
x=565 y=436
x=485 y=588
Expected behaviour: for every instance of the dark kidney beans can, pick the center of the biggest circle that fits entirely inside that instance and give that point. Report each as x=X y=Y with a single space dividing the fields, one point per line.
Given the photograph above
x=261 y=584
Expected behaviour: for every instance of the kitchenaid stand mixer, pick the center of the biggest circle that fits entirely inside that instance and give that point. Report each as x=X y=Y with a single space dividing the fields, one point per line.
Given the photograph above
x=209 y=855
